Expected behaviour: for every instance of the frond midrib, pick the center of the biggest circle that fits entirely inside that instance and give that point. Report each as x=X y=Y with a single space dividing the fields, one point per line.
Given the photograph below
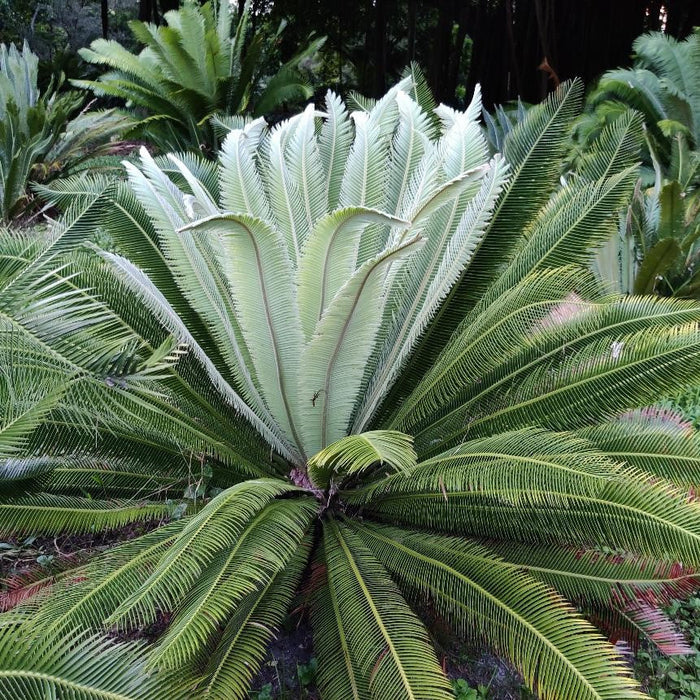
x=372 y=606
x=494 y=600
x=69 y=685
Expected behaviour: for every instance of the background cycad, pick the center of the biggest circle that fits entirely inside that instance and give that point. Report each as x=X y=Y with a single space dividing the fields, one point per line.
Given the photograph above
x=275 y=329
x=195 y=73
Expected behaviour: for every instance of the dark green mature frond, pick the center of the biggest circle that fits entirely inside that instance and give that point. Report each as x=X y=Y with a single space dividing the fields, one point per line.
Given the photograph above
x=216 y=527
x=659 y=442
x=339 y=676
x=390 y=649
x=616 y=149
x=85 y=596
x=82 y=667
x=559 y=654
x=535 y=486
x=243 y=645
x=261 y=552
x=493 y=359
x=51 y=513
x=596 y=381
x=355 y=454
x=599 y=578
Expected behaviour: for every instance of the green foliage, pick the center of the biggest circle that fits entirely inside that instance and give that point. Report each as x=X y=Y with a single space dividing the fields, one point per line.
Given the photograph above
x=202 y=63
x=463 y=691
x=240 y=347
x=38 y=138
x=663 y=85
x=656 y=248
x=668 y=678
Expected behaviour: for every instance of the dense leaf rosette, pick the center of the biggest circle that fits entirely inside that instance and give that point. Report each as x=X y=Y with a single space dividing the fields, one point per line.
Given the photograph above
x=374 y=365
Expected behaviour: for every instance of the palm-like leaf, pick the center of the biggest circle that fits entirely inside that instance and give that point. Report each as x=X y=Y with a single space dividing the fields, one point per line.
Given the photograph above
x=377 y=271
x=202 y=63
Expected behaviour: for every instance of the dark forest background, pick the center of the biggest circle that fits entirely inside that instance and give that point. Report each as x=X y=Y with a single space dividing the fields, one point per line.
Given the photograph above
x=513 y=47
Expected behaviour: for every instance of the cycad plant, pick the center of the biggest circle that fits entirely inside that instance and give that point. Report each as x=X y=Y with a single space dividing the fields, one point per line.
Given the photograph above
x=663 y=85
x=38 y=138
x=375 y=366
x=656 y=249
x=201 y=64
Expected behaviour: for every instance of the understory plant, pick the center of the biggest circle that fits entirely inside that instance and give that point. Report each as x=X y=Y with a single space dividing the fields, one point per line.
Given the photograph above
x=40 y=134
x=203 y=65
x=663 y=85
x=375 y=366
x=657 y=246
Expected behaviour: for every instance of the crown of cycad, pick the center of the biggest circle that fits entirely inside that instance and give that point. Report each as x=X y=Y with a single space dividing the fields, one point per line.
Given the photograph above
x=337 y=236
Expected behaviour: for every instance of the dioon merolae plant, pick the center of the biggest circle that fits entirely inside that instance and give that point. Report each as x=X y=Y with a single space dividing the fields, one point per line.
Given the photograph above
x=206 y=63
x=374 y=366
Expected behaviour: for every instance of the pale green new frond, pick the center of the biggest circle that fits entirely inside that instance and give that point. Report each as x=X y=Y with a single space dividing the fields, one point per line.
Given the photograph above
x=194 y=267
x=426 y=281
x=212 y=530
x=159 y=306
x=260 y=275
x=306 y=171
x=410 y=142
x=390 y=648
x=363 y=180
x=559 y=654
x=328 y=260
x=283 y=194
x=334 y=145
x=334 y=360
x=354 y=454
x=241 y=186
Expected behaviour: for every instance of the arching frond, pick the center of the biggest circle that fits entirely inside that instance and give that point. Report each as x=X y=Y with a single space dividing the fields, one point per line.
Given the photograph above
x=654 y=440
x=525 y=620
x=211 y=531
x=561 y=492
x=261 y=551
x=389 y=649
x=87 y=668
x=244 y=642
x=357 y=453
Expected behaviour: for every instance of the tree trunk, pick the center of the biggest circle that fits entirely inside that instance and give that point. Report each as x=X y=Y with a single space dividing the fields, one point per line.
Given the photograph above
x=104 y=12
x=412 y=11
x=380 y=18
